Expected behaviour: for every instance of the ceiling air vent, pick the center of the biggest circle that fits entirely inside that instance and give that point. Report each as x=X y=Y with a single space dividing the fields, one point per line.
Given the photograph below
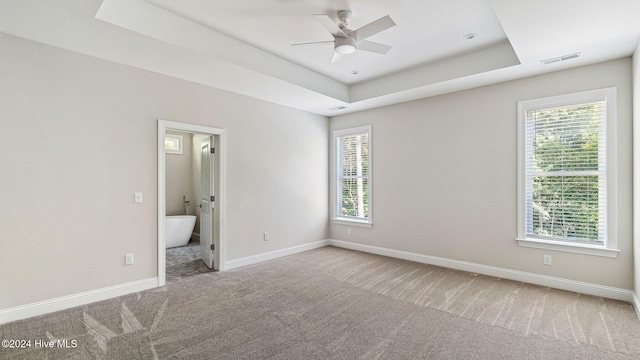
x=338 y=108
x=560 y=58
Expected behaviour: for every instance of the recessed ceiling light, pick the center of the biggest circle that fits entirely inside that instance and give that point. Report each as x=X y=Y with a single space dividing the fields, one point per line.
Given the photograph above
x=354 y=72
x=470 y=36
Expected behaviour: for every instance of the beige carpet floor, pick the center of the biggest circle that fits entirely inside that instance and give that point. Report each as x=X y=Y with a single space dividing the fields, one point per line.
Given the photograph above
x=333 y=303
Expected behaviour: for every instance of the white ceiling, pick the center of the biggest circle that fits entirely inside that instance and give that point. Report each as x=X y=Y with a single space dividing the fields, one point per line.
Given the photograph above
x=244 y=46
x=436 y=32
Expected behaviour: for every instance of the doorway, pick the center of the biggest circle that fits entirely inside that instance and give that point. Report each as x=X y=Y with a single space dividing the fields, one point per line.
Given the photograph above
x=215 y=214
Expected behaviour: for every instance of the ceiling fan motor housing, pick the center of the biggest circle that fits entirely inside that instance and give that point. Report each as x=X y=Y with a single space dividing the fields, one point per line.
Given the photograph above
x=345 y=17
x=345 y=46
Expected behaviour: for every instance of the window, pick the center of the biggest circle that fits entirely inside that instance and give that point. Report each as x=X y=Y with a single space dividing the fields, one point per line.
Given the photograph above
x=173 y=144
x=566 y=173
x=352 y=175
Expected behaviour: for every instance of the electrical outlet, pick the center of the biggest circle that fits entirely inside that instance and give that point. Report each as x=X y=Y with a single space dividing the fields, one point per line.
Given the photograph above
x=349 y=231
x=546 y=259
x=266 y=236
x=128 y=259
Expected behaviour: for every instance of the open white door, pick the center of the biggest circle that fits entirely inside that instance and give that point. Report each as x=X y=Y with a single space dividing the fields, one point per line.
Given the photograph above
x=207 y=203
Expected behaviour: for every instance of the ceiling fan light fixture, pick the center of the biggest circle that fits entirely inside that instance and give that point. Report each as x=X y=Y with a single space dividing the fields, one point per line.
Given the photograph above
x=345 y=46
x=345 y=49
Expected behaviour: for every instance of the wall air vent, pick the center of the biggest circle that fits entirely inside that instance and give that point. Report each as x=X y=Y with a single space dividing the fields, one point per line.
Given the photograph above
x=560 y=58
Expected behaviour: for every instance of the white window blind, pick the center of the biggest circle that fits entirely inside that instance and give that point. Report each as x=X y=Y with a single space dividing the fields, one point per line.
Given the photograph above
x=353 y=174
x=566 y=172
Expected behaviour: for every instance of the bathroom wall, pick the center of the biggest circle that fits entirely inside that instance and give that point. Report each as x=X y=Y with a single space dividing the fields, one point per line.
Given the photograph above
x=196 y=168
x=178 y=178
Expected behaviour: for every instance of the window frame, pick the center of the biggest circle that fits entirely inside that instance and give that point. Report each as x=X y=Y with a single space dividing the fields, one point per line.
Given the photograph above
x=177 y=139
x=346 y=220
x=610 y=246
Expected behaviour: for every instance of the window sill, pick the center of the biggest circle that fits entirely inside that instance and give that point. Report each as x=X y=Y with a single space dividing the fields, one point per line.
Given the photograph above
x=352 y=222
x=569 y=247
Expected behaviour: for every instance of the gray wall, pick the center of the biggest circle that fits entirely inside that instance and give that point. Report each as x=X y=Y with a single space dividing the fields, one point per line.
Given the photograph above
x=78 y=138
x=196 y=168
x=444 y=176
x=179 y=175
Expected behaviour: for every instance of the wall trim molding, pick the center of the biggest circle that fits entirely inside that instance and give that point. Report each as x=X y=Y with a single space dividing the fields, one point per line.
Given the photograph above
x=69 y=301
x=258 y=258
x=531 y=278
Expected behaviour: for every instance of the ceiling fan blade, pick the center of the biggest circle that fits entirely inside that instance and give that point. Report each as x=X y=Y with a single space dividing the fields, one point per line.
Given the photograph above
x=314 y=43
x=373 y=47
x=328 y=24
x=336 y=57
x=372 y=28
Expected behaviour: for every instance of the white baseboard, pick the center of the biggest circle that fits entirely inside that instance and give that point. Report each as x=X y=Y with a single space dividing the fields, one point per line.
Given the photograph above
x=531 y=278
x=636 y=304
x=254 y=259
x=65 y=302
x=69 y=301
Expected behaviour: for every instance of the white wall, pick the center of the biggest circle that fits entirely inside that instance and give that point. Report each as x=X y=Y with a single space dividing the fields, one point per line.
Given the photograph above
x=179 y=176
x=78 y=138
x=444 y=176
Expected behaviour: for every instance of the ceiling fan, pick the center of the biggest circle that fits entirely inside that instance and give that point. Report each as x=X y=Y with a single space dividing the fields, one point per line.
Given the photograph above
x=346 y=41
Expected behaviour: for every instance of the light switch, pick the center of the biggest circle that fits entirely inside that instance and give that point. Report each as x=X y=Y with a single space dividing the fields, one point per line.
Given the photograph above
x=138 y=198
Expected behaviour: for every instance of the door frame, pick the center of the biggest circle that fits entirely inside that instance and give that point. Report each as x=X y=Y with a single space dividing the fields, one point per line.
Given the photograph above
x=220 y=178
x=207 y=231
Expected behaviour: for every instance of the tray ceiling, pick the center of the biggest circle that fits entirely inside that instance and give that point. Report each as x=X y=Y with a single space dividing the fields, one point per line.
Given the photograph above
x=244 y=46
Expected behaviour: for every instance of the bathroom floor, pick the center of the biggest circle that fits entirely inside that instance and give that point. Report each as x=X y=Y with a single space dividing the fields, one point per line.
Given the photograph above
x=184 y=261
